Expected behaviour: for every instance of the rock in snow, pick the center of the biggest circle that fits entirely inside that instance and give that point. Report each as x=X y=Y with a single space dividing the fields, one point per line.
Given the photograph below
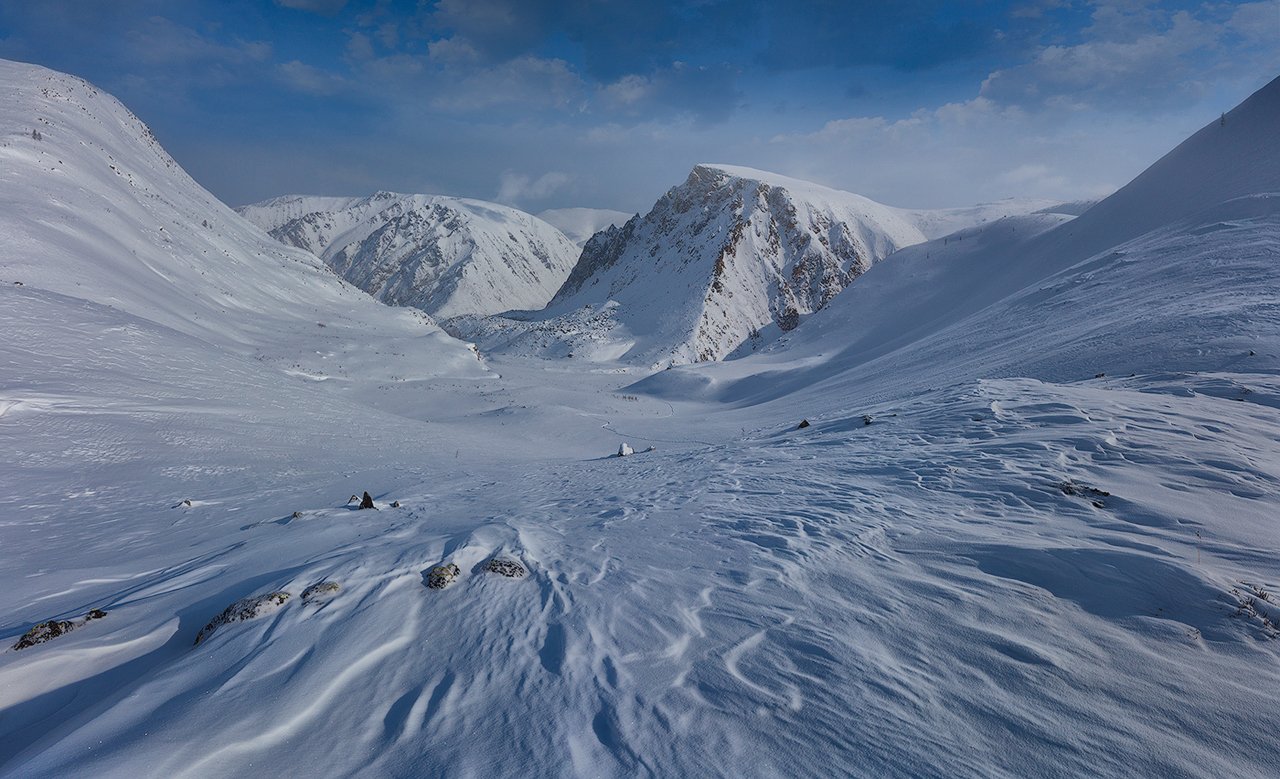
x=625 y=450
x=245 y=609
x=320 y=592
x=47 y=631
x=442 y=576
x=503 y=567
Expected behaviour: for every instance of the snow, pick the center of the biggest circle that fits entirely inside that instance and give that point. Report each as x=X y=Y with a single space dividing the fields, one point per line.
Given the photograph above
x=447 y=256
x=579 y=224
x=1020 y=568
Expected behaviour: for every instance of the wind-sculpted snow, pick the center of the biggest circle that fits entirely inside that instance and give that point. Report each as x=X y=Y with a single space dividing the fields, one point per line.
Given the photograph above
x=915 y=597
x=447 y=256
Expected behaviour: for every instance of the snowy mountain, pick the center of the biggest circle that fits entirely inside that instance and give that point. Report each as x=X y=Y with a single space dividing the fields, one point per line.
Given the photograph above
x=447 y=256
x=726 y=253
x=579 y=224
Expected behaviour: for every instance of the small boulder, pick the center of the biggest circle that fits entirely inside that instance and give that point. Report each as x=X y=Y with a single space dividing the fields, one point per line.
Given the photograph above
x=442 y=576
x=320 y=592
x=625 y=450
x=1093 y=494
x=867 y=419
x=297 y=515
x=366 y=502
x=803 y=424
x=245 y=609
x=183 y=504
x=353 y=499
x=45 y=631
x=505 y=567
x=395 y=504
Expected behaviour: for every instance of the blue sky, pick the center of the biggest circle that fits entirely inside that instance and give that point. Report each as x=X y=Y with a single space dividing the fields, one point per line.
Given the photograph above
x=539 y=103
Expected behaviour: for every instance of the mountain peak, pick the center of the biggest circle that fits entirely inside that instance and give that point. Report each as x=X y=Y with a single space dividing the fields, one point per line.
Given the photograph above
x=730 y=251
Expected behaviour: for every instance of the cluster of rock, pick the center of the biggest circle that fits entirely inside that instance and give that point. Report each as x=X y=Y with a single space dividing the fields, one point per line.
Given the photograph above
x=442 y=576
x=47 y=631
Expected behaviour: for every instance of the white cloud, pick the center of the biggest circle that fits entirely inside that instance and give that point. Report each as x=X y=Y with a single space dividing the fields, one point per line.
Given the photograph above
x=628 y=90
x=1137 y=55
x=302 y=77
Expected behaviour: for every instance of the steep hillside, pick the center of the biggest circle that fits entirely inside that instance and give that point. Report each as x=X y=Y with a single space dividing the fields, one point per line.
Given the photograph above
x=447 y=256
x=579 y=224
x=91 y=207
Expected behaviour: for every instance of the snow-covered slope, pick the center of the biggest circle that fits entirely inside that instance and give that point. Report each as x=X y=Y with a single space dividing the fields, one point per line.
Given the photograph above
x=92 y=208
x=447 y=256
x=579 y=224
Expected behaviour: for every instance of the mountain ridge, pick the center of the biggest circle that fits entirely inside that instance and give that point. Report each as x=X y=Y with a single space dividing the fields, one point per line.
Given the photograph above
x=447 y=256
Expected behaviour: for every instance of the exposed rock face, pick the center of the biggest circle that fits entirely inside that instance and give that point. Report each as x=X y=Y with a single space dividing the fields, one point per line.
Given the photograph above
x=447 y=256
x=245 y=609
x=728 y=252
